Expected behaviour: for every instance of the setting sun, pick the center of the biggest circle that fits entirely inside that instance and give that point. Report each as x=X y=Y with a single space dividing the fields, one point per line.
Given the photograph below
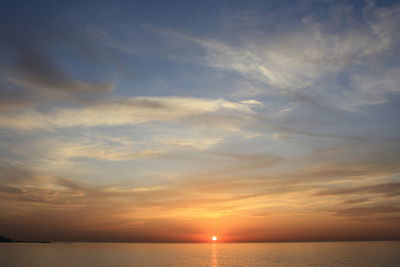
x=214 y=238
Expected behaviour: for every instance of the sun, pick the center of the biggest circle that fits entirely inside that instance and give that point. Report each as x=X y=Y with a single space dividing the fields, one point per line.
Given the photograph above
x=214 y=238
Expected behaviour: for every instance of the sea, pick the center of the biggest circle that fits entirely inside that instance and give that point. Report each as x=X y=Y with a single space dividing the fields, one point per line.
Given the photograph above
x=325 y=254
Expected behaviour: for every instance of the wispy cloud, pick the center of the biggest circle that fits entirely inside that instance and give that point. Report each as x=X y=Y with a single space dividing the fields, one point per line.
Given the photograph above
x=123 y=112
x=312 y=57
x=389 y=189
x=368 y=211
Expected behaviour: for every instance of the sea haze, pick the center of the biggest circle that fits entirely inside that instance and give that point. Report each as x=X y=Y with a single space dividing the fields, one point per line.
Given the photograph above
x=332 y=254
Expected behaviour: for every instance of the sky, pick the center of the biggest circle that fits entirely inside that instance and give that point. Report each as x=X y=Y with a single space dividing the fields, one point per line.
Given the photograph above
x=174 y=121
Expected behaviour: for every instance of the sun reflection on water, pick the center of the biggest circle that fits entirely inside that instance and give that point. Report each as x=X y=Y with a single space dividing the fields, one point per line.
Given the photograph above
x=214 y=257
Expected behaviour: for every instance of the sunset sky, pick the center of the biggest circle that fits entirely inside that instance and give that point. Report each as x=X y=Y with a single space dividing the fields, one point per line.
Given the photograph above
x=176 y=121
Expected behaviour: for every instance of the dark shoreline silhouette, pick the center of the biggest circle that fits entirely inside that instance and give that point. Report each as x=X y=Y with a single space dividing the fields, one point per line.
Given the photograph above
x=4 y=239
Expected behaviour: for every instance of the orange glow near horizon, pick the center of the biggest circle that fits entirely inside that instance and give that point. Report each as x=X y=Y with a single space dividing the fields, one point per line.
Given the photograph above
x=214 y=238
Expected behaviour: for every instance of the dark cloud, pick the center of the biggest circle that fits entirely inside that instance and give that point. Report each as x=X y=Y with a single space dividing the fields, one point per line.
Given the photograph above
x=389 y=190
x=149 y=103
x=29 y=55
x=12 y=98
x=15 y=174
x=71 y=185
x=368 y=211
x=356 y=201
x=21 y=184
x=12 y=190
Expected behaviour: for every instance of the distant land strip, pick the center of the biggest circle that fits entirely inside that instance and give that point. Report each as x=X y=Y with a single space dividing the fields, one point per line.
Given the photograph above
x=4 y=239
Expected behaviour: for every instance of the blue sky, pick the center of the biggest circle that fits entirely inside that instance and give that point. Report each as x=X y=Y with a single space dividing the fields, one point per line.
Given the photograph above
x=212 y=116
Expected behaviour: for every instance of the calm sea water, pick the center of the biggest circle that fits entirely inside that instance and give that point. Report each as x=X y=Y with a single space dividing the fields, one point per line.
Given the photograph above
x=352 y=254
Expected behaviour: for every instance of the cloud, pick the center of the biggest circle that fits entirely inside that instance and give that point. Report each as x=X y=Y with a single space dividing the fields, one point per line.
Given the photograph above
x=15 y=174
x=316 y=56
x=37 y=71
x=12 y=99
x=293 y=187
x=372 y=87
x=190 y=143
x=21 y=184
x=95 y=206
x=128 y=111
x=389 y=190
x=356 y=201
x=368 y=211
x=31 y=68
x=248 y=161
x=99 y=150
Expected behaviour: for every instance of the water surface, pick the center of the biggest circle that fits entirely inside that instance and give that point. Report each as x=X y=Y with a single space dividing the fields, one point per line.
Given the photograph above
x=365 y=254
